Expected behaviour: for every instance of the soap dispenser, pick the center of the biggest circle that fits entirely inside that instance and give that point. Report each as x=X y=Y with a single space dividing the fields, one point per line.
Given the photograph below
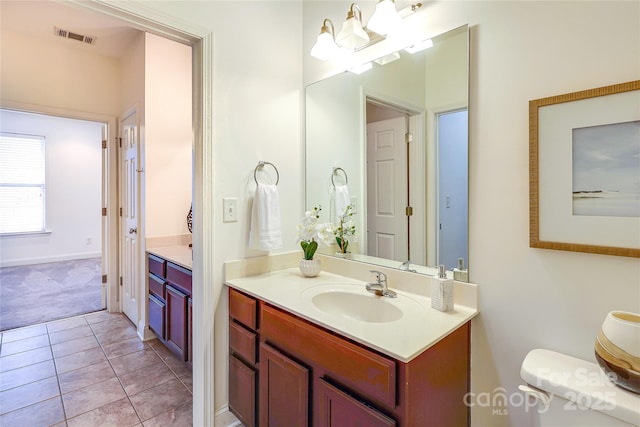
x=460 y=273
x=442 y=291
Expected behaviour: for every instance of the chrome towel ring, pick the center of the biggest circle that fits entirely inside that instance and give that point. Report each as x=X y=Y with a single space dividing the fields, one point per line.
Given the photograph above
x=261 y=165
x=335 y=172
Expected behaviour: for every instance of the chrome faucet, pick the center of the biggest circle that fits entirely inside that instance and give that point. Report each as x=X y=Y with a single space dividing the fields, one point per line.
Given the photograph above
x=380 y=287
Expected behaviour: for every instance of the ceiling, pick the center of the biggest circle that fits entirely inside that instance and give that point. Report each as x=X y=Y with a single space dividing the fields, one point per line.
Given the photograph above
x=38 y=19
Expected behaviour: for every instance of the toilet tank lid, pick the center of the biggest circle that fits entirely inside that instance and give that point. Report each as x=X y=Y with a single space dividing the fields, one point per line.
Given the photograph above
x=579 y=381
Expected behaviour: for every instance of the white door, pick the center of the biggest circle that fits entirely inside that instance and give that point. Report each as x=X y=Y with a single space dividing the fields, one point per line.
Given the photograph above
x=387 y=224
x=129 y=203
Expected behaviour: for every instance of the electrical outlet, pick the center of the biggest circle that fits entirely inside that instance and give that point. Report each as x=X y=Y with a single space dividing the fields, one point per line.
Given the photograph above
x=230 y=209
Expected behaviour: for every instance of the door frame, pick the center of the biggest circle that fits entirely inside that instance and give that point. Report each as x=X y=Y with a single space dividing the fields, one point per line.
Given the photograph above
x=417 y=152
x=201 y=40
x=109 y=189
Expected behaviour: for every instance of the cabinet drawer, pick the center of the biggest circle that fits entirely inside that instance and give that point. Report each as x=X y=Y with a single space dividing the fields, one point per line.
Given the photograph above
x=242 y=391
x=179 y=276
x=157 y=265
x=243 y=309
x=354 y=366
x=156 y=286
x=242 y=342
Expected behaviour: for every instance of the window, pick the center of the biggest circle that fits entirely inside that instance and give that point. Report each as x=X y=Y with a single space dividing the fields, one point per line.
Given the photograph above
x=22 y=190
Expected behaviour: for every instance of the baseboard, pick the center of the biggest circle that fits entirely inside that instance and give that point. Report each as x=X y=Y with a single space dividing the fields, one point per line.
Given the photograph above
x=225 y=418
x=44 y=260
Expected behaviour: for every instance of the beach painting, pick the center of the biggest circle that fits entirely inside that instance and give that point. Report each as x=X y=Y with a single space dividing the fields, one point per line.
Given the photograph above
x=606 y=170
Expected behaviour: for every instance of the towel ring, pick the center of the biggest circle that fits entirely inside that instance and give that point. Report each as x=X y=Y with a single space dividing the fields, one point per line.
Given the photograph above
x=335 y=172
x=260 y=165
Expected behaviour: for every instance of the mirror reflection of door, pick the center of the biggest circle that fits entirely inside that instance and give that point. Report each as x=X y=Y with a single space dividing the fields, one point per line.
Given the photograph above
x=453 y=187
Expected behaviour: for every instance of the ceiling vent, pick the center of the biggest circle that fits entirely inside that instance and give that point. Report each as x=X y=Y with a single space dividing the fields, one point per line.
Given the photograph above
x=74 y=36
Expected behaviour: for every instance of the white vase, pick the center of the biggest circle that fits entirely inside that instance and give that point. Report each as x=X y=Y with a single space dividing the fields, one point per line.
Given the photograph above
x=310 y=267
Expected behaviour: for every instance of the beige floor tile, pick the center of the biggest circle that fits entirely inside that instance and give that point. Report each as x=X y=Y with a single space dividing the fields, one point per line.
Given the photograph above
x=159 y=399
x=116 y=335
x=26 y=344
x=116 y=414
x=74 y=346
x=79 y=360
x=188 y=382
x=27 y=374
x=176 y=365
x=124 y=347
x=70 y=334
x=101 y=316
x=92 y=397
x=83 y=377
x=142 y=379
x=135 y=361
x=28 y=394
x=181 y=416
x=109 y=325
x=61 y=325
x=22 y=333
x=25 y=358
x=45 y=413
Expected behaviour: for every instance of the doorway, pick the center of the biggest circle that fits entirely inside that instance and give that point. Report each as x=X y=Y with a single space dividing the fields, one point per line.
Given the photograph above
x=52 y=253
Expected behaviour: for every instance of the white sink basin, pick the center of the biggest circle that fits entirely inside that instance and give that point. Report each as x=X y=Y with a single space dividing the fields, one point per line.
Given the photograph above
x=354 y=302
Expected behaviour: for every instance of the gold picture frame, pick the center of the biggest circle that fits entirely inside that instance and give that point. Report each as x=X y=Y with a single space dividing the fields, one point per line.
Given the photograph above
x=551 y=123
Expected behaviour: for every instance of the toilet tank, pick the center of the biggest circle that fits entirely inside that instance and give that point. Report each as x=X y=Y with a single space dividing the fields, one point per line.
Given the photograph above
x=572 y=392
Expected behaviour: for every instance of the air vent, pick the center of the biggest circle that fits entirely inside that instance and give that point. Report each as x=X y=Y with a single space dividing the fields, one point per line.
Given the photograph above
x=74 y=36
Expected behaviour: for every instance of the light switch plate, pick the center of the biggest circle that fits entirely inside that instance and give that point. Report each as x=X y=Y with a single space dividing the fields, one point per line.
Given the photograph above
x=230 y=209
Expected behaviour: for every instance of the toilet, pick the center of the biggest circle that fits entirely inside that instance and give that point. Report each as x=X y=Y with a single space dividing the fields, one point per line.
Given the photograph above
x=566 y=391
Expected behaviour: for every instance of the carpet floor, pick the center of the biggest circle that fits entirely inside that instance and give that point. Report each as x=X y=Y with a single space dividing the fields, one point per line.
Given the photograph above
x=41 y=293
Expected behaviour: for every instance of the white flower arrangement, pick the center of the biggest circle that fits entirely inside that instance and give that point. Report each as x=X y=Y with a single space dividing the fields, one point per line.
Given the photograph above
x=346 y=229
x=310 y=232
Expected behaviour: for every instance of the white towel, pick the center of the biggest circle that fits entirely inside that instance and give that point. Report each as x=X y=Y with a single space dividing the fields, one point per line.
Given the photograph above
x=266 y=233
x=342 y=199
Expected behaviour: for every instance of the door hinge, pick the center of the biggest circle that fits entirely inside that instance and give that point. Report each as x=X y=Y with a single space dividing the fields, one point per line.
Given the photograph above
x=104 y=143
x=120 y=211
x=408 y=137
x=120 y=280
x=104 y=278
x=104 y=211
x=119 y=141
x=409 y=211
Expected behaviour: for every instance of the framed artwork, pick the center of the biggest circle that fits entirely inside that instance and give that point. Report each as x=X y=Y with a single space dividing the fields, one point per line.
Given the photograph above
x=584 y=171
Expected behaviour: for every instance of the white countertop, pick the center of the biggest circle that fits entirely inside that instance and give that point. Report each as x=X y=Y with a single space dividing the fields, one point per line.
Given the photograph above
x=418 y=329
x=177 y=254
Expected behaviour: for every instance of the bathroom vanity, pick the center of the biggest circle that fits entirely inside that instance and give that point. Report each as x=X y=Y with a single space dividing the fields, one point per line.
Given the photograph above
x=295 y=360
x=169 y=299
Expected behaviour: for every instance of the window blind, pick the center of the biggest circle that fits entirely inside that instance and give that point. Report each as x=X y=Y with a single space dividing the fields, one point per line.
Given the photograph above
x=22 y=183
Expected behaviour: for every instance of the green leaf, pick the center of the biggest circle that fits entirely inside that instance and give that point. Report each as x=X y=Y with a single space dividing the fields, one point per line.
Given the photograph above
x=309 y=248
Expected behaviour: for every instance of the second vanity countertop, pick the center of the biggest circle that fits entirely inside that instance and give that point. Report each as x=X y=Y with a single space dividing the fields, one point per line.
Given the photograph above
x=418 y=329
x=178 y=254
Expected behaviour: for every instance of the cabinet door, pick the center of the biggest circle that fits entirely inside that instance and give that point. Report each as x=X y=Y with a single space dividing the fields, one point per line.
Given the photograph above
x=176 y=326
x=284 y=390
x=242 y=391
x=156 y=315
x=190 y=330
x=336 y=408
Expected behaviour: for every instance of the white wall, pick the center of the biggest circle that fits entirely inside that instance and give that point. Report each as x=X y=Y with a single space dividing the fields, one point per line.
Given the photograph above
x=55 y=75
x=73 y=179
x=529 y=298
x=167 y=137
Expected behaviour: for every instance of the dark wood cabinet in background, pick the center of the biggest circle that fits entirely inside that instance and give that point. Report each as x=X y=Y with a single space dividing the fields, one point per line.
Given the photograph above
x=287 y=371
x=169 y=305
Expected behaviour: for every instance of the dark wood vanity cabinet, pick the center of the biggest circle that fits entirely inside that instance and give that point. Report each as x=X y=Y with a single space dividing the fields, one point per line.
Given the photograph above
x=286 y=371
x=169 y=305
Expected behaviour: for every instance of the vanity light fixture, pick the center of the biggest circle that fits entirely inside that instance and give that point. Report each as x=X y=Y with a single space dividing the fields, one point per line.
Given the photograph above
x=353 y=35
x=420 y=46
x=385 y=19
x=325 y=47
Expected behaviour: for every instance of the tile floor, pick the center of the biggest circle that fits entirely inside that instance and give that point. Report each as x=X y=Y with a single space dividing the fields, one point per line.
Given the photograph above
x=90 y=370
